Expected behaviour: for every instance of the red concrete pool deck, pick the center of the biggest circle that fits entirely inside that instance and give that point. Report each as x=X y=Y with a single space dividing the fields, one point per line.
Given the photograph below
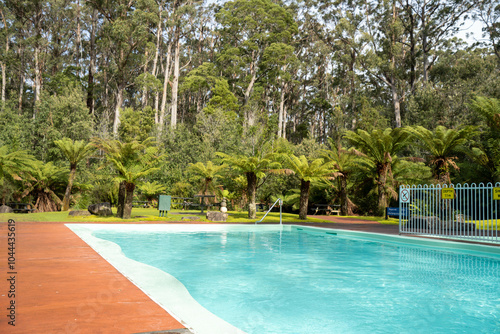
x=62 y=285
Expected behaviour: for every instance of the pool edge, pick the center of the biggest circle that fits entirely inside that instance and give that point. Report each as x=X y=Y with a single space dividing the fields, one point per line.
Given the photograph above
x=176 y=300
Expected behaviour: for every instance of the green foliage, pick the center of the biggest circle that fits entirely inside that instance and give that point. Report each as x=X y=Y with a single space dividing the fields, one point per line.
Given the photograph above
x=441 y=145
x=46 y=186
x=74 y=151
x=136 y=124
x=59 y=116
x=16 y=129
x=205 y=176
x=219 y=131
x=15 y=166
x=488 y=152
x=381 y=147
x=151 y=190
x=204 y=79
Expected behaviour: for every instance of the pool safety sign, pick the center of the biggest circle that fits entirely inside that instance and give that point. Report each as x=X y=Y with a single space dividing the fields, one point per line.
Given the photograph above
x=496 y=194
x=404 y=196
x=448 y=193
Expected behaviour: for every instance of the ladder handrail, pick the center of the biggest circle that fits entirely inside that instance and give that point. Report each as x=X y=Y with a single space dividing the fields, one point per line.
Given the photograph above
x=281 y=203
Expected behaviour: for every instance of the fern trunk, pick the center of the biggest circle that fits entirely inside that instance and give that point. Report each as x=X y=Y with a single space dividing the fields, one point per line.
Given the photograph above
x=251 y=191
x=382 y=196
x=304 y=198
x=122 y=192
x=344 y=203
x=67 y=193
x=127 y=209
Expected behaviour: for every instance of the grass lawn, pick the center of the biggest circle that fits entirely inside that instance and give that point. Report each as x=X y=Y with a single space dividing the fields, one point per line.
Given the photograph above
x=151 y=214
x=491 y=224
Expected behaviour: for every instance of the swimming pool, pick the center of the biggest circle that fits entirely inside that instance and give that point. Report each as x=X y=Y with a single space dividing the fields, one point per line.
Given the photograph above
x=304 y=280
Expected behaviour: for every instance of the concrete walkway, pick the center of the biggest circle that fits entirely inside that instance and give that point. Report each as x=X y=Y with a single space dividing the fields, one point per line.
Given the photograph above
x=355 y=225
x=61 y=285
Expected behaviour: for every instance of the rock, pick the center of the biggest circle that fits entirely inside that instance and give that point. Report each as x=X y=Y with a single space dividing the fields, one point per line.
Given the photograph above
x=216 y=216
x=6 y=209
x=100 y=209
x=79 y=213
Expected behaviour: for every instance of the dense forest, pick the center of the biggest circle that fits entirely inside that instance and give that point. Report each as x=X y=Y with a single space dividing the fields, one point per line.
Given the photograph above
x=326 y=101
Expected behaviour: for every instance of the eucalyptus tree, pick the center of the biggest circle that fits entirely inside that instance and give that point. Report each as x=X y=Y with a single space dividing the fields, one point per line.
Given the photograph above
x=384 y=57
x=126 y=32
x=488 y=13
x=441 y=145
x=248 y=28
x=31 y=22
x=380 y=147
x=435 y=21
x=74 y=151
x=307 y=172
x=335 y=33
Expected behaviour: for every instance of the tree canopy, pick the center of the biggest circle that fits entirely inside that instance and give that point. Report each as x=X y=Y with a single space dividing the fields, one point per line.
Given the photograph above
x=244 y=78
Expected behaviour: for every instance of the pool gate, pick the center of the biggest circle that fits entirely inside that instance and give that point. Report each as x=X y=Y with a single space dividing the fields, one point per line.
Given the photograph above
x=451 y=211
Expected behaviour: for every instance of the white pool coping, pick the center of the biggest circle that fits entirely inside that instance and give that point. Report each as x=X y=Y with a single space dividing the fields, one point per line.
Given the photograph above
x=172 y=295
x=161 y=287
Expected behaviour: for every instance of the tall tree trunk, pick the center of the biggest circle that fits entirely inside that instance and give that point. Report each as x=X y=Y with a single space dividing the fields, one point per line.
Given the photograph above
x=165 y=88
x=248 y=91
x=343 y=195
x=413 y=61
x=91 y=71
x=304 y=198
x=119 y=102
x=154 y=70
x=145 y=93
x=251 y=191
x=38 y=78
x=21 y=90
x=3 y=63
x=424 y=45
x=127 y=210
x=285 y=116
x=394 y=88
x=281 y=112
x=396 y=103
x=175 y=80
x=78 y=42
x=122 y=193
x=67 y=193
x=22 y=77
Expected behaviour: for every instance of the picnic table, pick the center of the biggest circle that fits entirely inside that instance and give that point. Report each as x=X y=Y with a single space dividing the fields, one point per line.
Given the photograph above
x=20 y=207
x=197 y=201
x=202 y=203
x=327 y=208
x=142 y=204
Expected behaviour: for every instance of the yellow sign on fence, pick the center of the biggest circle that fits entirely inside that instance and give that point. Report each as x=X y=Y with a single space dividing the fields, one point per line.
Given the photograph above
x=496 y=193
x=448 y=193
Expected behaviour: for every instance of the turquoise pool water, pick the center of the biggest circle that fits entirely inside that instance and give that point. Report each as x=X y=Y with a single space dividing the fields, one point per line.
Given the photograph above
x=301 y=282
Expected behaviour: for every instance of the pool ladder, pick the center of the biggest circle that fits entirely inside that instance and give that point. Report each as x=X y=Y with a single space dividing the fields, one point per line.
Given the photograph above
x=281 y=204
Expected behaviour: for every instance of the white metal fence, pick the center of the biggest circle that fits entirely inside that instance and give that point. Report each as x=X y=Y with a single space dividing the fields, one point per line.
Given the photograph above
x=451 y=211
